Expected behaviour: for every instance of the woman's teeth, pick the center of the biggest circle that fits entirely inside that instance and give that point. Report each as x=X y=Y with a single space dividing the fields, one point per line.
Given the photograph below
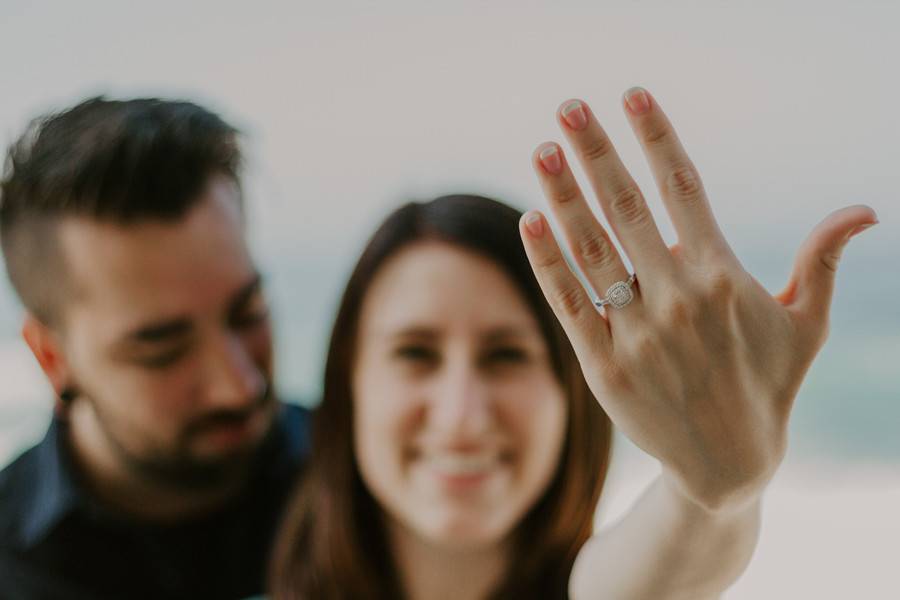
x=463 y=464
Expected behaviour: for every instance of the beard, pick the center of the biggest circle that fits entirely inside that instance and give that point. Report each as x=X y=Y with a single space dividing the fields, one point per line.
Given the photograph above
x=177 y=467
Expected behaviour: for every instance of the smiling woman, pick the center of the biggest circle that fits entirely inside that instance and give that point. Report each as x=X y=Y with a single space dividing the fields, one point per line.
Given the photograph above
x=463 y=455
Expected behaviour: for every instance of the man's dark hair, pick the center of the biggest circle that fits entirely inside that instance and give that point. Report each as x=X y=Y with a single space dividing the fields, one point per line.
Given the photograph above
x=119 y=161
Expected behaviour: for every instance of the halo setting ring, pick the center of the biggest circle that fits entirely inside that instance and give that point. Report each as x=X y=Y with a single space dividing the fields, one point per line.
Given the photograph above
x=619 y=294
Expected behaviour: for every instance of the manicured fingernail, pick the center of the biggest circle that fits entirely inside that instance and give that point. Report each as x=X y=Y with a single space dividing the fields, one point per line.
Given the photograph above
x=574 y=115
x=534 y=224
x=549 y=157
x=861 y=228
x=637 y=100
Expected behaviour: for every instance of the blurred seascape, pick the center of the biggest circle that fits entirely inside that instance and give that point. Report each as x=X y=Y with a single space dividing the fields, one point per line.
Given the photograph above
x=848 y=411
x=832 y=507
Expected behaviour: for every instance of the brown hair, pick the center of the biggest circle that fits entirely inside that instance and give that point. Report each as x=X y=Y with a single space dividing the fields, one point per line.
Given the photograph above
x=333 y=543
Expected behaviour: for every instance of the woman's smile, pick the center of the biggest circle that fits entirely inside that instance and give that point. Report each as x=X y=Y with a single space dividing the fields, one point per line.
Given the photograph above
x=457 y=472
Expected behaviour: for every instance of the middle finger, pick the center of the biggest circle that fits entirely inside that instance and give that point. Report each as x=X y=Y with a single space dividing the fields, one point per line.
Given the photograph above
x=620 y=198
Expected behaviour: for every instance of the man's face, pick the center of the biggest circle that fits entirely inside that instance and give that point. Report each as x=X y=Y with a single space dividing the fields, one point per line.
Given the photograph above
x=166 y=337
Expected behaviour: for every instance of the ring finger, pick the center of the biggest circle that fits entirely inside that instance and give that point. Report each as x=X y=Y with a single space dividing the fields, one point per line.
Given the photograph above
x=587 y=239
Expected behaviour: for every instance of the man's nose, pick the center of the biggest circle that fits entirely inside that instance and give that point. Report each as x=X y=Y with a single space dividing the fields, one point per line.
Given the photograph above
x=233 y=378
x=461 y=406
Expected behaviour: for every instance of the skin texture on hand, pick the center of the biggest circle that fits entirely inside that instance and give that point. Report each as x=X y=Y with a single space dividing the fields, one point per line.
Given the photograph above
x=700 y=369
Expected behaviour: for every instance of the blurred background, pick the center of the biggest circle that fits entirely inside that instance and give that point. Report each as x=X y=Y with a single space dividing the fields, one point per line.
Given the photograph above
x=789 y=110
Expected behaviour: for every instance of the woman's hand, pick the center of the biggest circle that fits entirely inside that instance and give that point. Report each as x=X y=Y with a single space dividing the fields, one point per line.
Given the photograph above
x=701 y=368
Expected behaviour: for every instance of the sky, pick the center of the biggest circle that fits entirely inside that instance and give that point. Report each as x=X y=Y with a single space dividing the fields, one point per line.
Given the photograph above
x=789 y=111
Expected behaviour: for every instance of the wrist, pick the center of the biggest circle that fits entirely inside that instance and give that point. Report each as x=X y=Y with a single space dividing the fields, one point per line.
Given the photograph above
x=712 y=502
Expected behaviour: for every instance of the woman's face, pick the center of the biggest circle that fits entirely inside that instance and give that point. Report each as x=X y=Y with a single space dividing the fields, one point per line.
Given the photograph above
x=458 y=417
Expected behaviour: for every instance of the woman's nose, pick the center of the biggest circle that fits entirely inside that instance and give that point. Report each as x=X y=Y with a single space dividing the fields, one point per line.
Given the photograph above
x=461 y=406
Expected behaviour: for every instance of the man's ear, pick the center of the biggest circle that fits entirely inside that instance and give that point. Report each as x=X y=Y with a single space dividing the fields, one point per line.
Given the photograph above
x=46 y=346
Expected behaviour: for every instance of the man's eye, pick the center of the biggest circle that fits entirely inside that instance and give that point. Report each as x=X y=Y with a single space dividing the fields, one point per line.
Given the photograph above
x=250 y=318
x=161 y=361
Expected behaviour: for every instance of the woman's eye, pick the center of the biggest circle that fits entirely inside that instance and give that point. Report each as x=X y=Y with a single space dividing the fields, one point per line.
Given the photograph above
x=506 y=355
x=415 y=353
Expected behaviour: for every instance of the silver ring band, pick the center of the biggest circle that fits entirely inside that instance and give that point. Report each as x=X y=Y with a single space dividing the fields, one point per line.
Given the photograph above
x=619 y=294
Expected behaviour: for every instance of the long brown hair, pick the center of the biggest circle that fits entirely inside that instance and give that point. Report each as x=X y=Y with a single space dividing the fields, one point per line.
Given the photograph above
x=333 y=543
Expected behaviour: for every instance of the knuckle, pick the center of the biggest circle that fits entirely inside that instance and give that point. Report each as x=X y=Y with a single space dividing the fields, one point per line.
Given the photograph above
x=679 y=311
x=657 y=135
x=830 y=261
x=548 y=261
x=565 y=194
x=684 y=183
x=720 y=285
x=596 y=149
x=628 y=203
x=571 y=301
x=596 y=250
x=644 y=347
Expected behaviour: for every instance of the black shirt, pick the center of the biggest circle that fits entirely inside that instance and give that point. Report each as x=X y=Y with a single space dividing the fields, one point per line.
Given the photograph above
x=55 y=542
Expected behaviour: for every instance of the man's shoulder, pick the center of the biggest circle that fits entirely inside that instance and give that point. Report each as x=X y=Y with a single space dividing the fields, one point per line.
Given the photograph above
x=17 y=481
x=294 y=423
x=17 y=475
x=294 y=412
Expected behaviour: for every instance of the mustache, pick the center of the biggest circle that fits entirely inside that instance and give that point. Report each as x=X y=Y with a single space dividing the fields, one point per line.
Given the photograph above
x=220 y=418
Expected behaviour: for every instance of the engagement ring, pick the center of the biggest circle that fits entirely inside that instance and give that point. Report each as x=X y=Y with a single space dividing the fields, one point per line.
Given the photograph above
x=619 y=294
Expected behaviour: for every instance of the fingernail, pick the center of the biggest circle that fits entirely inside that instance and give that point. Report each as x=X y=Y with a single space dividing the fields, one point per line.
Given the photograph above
x=549 y=157
x=574 y=115
x=637 y=100
x=861 y=228
x=534 y=224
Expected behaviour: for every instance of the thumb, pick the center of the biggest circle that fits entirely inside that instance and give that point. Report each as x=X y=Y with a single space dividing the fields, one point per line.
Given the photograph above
x=811 y=285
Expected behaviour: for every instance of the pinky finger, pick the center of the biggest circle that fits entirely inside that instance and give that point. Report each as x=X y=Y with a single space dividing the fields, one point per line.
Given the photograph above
x=585 y=327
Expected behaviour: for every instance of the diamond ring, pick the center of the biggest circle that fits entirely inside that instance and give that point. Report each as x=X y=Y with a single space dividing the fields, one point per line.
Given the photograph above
x=619 y=294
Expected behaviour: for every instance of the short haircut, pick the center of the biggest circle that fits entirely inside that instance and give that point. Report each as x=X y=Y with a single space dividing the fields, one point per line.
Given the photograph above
x=119 y=161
